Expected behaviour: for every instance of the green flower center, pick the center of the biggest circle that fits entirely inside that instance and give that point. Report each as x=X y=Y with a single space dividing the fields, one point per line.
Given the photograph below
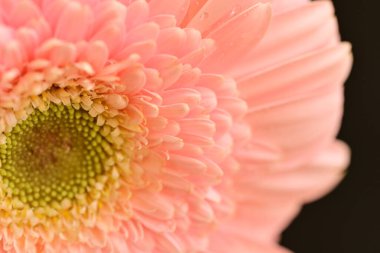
x=53 y=155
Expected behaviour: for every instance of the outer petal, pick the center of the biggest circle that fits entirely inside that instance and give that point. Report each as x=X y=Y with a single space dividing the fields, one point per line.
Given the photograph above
x=268 y=200
x=306 y=182
x=236 y=36
x=280 y=6
x=205 y=15
x=313 y=26
x=322 y=69
x=302 y=113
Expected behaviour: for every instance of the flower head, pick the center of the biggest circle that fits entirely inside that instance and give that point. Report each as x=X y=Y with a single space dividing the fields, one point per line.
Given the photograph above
x=165 y=126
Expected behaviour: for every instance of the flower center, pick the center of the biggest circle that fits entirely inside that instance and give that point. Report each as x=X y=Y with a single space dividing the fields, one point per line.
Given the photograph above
x=53 y=155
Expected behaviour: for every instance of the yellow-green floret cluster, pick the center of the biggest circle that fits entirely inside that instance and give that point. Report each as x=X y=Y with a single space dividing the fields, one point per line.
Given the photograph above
x=53 y=155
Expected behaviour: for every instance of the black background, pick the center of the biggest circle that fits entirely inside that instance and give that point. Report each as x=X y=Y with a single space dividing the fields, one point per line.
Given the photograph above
x=348 y=219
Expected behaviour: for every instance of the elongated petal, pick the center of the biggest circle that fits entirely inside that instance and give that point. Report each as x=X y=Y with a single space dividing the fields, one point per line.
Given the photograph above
x=313 y=27
x=241 y=36
x=323 y=69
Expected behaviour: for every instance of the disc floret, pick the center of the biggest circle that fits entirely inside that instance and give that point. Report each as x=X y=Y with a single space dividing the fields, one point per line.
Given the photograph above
x=53 y=155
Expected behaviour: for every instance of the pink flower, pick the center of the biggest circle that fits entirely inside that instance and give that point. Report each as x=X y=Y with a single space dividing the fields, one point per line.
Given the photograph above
x=165 y=125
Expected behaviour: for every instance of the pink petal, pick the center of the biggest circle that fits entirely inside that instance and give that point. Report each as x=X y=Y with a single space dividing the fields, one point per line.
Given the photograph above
x=278 y=195
x=169 y=243
x=204 y=126
x=313 y=27
x=154 y=205
x=52 y=10
x=155 y=225
x=133 y=80
x=209 y=13
x=260 y=222
x=198 y=55
x=95 y=53
x=171 y=40
x=177 y=8
x=59 y=52
x=175 y=182
x=319 y=70
x=29 y=39
x=202 y=211
x=74 y=22
x=280 y=6
x=137 y=12
x=235 y=106
x=118 y=243
x=179 y=110
x=110 y=24
x=145 y=49
x=23 y=13
x=164 y=21
x=184 y=165
x=169 y=67
x=300 y=184
x=194 y=7
x=301 y=127
x=12 y=54
x=182 y=95
x=146 y=31
x=193 y=41
x=236 y=36
x=297 y=123
x=112 y=35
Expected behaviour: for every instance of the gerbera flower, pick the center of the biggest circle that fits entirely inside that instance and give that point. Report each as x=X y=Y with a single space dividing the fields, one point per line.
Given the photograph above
x=165 y=126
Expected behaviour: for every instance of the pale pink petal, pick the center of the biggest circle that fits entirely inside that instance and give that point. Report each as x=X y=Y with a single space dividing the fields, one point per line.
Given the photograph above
x=306 y=183
x=137 y=12
x=313 y=27
x=95 y=53
x=171 y=40
x=164 y=20
x=241 y=36
x=153 y=205
x=299 y=128
x=57 y=51
x=145 y=50
x=207 y=14
x=323 y=69
x=76 y=16
x=280 y=6
x=12 y=54
x=177 y=8
x=52 y=11
x=23 y=12
x=117 y=243
x=109 y=25
x=169 y=67
x=146 y=31
x=169 y=243
x=262 y=215
x=194 y=7
x=323 y=80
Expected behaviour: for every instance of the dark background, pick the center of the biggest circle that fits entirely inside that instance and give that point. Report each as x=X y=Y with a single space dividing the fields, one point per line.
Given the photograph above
x=348 y=219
